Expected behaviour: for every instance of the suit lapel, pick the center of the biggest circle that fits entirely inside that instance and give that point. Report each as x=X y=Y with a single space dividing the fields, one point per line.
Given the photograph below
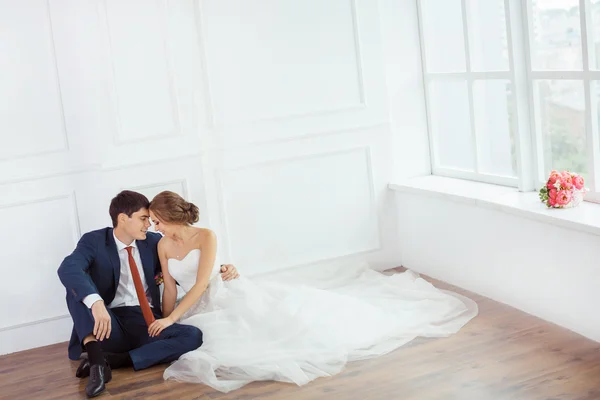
x=147 y=264
x=113 y=255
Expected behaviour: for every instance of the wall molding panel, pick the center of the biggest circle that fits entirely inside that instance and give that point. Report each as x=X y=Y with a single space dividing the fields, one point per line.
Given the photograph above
x=164 y=44
x=216 y=123
x=356 y=19
x=61 y=144
x=372 y=238
x=15 y=254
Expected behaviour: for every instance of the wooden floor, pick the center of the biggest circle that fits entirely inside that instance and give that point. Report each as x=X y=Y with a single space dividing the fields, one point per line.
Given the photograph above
x=502 y=354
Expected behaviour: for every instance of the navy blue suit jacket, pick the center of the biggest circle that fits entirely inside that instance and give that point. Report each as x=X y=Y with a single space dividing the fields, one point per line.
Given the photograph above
x=94 y=267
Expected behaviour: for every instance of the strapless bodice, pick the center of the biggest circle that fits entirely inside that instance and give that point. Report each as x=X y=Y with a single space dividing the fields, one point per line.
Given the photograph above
x=184 y=271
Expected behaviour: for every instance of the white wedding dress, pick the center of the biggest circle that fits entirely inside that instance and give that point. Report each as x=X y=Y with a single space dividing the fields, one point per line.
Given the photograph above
x=299 y=325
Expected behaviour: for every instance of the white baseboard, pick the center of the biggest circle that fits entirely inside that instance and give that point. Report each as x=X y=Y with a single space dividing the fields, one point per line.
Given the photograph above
x=36 y=334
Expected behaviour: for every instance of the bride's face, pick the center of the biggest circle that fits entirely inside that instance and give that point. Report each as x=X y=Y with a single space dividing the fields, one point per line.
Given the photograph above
x=159 y=225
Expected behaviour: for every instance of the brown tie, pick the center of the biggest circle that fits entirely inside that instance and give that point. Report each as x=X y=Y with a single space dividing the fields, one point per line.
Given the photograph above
x=139 y=289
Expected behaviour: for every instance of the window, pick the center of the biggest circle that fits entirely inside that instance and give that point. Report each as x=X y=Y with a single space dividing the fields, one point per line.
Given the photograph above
x=512 y=88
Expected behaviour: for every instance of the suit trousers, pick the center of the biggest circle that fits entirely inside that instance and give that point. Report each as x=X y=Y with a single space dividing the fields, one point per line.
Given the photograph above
x=129 y=333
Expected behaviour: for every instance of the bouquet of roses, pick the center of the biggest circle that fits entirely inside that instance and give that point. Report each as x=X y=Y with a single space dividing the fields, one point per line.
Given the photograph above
x=563 y=190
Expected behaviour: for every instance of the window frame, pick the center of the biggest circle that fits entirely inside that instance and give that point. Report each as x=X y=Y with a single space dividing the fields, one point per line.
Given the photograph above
x=521 y=75
x=587 y=77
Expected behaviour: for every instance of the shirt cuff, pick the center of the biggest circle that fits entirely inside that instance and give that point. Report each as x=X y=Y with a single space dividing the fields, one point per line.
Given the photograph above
x=90 y=299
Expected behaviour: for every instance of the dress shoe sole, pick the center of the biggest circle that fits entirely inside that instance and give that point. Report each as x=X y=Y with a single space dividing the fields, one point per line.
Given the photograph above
x=96 y=394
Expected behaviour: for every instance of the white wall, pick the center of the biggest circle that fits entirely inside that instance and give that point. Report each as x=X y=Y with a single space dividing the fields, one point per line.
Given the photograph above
x=545 y=270
x=272 y=116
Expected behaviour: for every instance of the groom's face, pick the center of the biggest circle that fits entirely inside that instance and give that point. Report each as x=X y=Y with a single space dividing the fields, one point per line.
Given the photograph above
x=137 y=225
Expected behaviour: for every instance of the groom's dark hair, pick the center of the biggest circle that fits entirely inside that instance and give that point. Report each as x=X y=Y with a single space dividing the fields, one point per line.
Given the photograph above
x=126 y=202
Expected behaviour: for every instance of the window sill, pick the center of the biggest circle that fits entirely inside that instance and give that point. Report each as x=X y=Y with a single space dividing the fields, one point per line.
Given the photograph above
x=584 y=218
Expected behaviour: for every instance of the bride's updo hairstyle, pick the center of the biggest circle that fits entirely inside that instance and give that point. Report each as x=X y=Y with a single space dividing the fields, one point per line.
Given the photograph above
x=174 y=209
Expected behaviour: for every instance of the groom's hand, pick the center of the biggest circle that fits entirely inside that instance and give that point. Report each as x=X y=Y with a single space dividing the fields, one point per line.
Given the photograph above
x=102 y=326
x=229 y=272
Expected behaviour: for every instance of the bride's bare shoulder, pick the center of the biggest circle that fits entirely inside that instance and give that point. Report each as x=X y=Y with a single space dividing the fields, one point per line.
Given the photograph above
x=164 y=244
x=206 y=236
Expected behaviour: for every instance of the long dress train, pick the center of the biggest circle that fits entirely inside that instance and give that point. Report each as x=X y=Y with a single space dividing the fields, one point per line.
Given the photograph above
x=297 y=326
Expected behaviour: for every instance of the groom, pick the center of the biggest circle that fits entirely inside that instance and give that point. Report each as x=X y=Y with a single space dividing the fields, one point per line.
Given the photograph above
x=112 y=297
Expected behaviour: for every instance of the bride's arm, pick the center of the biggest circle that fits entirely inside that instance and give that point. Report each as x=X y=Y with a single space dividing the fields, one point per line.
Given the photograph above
x=208 y=254
x=170 y=292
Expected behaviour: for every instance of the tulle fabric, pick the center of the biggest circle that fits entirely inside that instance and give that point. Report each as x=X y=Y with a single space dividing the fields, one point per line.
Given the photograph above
x=300 y=325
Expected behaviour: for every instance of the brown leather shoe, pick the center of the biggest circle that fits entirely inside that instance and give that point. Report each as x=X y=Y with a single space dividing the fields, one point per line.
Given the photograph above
x=99 y=376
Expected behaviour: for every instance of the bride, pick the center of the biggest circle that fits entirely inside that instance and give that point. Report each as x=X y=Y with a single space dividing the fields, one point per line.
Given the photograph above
x=293 y=326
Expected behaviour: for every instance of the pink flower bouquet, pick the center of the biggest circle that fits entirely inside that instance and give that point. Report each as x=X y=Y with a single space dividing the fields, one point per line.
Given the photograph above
x=563 y=190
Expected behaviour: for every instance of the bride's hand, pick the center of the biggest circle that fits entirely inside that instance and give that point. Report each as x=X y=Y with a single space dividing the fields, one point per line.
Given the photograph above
x=159 y=325
x=229 y=272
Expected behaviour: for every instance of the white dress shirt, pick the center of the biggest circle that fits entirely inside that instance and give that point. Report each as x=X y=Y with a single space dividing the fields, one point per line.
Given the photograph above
x=126 y=295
